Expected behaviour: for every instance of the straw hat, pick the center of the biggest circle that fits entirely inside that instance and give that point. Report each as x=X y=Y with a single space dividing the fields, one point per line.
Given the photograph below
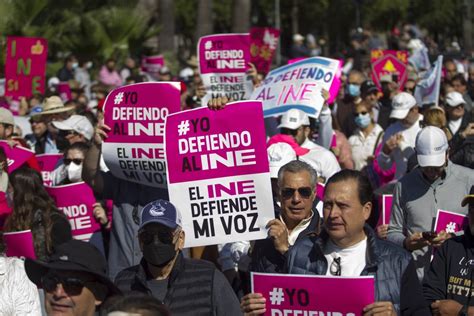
x=54 y=104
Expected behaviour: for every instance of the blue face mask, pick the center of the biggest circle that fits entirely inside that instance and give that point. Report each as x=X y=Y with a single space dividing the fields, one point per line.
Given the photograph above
x=353 y=90
x=363 y=120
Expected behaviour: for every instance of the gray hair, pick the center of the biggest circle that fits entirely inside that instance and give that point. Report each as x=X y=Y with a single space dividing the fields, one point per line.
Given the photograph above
x=297 y=166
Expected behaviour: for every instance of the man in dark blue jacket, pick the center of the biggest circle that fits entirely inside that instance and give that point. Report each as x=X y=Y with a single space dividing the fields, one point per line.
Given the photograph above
x=348 y=247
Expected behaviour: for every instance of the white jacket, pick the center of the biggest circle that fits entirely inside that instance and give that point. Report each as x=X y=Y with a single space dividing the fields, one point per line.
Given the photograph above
x=18 y=295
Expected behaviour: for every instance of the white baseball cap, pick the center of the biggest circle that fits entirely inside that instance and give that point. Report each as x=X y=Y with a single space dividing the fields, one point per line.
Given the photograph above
x=77 y=123
x=293 y=119
x=279 y=154
x=431 y=145
x=401 y=105
x=454 y=98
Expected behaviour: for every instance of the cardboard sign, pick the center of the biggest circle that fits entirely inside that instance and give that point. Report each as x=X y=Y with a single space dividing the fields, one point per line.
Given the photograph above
x=48 y=163
x=136 y=114
x=450 y=222
x=223 y=60
x=389 y=62
x=218 y=173
x=297 y=86
x=263 y=44
x=313 y=295
x=25 y=66
x=19 y=244
x=16 y=156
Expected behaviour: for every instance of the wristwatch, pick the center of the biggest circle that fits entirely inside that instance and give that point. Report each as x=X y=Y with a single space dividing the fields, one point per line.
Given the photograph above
x=463 y=311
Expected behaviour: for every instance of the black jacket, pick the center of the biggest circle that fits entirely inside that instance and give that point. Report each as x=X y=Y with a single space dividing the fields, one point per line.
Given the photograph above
x=451 y=272
x=392 y=267
x=195 y=287
x=265 y=258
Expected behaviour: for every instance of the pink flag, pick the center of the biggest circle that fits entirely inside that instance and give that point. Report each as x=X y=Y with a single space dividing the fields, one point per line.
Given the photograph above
x=313 y=295
x=19 y=244
x=16 y=156
x=25 y=66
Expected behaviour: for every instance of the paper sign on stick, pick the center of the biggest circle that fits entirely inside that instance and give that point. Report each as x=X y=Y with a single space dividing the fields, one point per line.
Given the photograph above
x=136 y=114
x=218 y=173
x=16 y=156
x=313 y=295
x=25 y=66
x=223 y=61
x=75 y=201
x=389 y=62
x=263 y=44
x=297 y=86
x=48 y=163
x=19 y=244
x=450 y=222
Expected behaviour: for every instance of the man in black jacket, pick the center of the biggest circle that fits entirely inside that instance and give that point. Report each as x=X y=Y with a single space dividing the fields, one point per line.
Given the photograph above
x=448 y=285
x=186 y=286
x=348 y=247
x=296 y=190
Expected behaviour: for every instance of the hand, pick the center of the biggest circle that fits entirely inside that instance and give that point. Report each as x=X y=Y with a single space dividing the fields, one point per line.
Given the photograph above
x=217 y=103
x=325 y=95
x=99 y=214
x=380 y=308
x=253 y=304
x=440 y=239
x=101 y=133
x=382 y=231
x=253 y=74
x=446 y=307
x=415 y=241
x=468 y=131
x=278 y=231
x=392 y=143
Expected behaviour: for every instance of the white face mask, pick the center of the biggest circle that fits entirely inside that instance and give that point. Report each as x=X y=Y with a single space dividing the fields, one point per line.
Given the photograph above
x=74 y=172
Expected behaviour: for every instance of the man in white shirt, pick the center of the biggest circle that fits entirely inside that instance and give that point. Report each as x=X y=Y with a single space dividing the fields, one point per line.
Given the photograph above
x=399 y=138
x=296 y=123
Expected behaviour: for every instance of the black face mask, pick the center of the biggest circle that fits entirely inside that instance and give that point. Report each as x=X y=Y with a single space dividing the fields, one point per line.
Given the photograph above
x=158 y=254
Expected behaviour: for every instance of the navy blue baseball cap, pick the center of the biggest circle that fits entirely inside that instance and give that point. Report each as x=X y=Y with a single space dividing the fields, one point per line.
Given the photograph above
x=161 y=212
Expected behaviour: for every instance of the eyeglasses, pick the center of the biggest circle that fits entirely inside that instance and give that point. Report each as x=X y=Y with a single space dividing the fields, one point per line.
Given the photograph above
x=166 y=237
x=77 y=161
x=361 y=113
x=304 y=192
x=335 y=268
x=71 y=285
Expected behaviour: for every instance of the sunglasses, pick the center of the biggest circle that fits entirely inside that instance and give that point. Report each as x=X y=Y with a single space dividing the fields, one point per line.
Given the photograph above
x=72 y=286
x=304 y=192
x=165 y=237
x=77 y=161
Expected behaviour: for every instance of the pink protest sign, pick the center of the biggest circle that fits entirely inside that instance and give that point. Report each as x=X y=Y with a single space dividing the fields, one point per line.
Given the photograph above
x=389 y=62
x=152 y=64
x=297 y=86
x=25 y=66
x=384 y=217
x=450 y=222
x=19 y=244
x=295 y=60
x=313 y=295
x=136 y=115
x=336 y=84
x=223 y=60
x=16 y=156
x=263 y=44
x=48 y=163
x=64 y=91
x=75 y=201
x=320 y=187
x=218 y=174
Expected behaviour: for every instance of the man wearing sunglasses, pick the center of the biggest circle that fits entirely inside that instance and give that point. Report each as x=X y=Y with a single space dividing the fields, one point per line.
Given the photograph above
x=186 y=286
x=74 y=279
x=75 y=129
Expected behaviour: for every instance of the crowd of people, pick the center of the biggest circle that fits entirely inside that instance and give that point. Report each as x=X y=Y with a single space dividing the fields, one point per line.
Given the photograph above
x=366 y=143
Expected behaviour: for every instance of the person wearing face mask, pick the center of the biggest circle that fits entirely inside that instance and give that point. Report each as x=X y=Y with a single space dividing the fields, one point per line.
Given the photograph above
x=366 y=138
x=351 y=98
x=436 y=184
x=447 y=285
x=185 y=286
x=66 y=73
x=399 y=138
